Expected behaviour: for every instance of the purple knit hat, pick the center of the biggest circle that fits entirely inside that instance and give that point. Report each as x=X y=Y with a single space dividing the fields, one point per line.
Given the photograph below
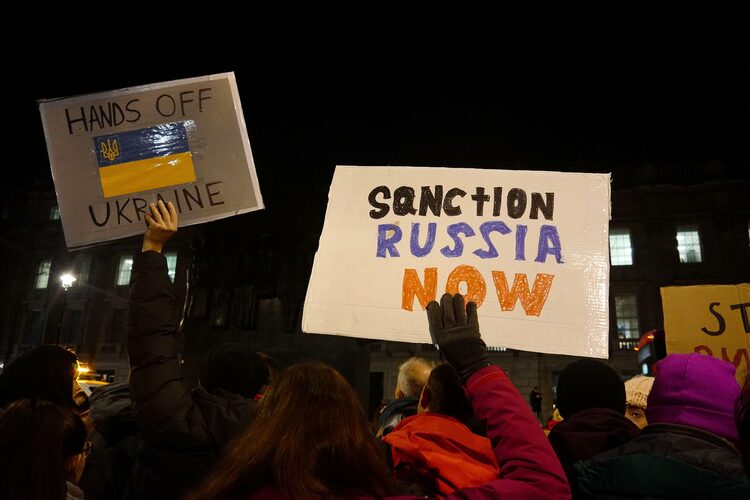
x=695 y=390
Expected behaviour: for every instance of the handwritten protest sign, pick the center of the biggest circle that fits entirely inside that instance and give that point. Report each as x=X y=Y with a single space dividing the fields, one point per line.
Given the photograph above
x=530 y=248
x=709 y=319
x=112 y=153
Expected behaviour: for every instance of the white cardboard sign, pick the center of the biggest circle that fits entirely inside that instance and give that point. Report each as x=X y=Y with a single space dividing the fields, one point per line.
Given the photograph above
x=530 y=248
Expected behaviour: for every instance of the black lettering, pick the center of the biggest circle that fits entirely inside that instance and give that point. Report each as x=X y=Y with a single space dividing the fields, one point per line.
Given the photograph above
x=498 y=196
x=743 y=312
x=118 y=115
x=139 y=209
x=158 y=105
x=184 y=101
x=93 y=217
x=403 y=201
x=430 y=200
x=448 y=207
x=201 y=98
x=719 y=318
x=82 y=119
x=196 y=198
x=516 y=203
x=106 y=115
x=94 y=117
x=481 y=199
x=381 y=209
x=133 y=111
x=121 y=215
x=177 y=200
x=211 y=195
x=546 y=207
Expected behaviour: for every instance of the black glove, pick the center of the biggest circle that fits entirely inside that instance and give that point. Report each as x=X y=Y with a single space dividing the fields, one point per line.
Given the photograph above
x=455 y=329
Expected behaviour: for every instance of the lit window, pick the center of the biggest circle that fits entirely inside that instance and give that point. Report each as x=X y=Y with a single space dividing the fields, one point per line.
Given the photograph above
x=171 y=264
x=54 y=213
x=123 y=270
x=626 y=310
x=620 y=249
x=42 y=274
x=689 y=244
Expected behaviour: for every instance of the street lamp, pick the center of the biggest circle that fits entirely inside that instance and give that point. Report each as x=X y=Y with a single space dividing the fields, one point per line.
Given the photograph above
x=66 y=280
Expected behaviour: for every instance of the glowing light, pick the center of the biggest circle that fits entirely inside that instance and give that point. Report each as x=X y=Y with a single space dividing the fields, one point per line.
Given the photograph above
x=67 y=280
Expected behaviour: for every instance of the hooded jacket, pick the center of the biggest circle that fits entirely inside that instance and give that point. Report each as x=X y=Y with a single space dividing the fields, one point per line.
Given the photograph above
x=439 y=449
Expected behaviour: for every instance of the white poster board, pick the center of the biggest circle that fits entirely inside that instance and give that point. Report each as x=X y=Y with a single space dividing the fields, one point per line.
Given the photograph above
x=530 y=248
x=113 y=153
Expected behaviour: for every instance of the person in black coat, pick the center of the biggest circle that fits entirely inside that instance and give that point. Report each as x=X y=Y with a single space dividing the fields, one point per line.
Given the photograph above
x=183 y=431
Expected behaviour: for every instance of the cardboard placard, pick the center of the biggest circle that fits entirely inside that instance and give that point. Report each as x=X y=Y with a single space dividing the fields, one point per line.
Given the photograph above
x=530 y=248
x=113 y=153
x=709 y=319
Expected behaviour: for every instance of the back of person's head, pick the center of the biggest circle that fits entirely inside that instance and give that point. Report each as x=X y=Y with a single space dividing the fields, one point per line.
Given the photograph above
x=697 y=391
x=273 y=366
x=310 y=439
x=44 y=372
x=412 y=376
x=41 y=446
x=444 y=394
x=589 y=383
x=235 y=368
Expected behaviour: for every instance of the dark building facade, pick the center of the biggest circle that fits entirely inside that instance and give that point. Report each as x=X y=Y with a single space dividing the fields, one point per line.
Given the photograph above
x=670 y=226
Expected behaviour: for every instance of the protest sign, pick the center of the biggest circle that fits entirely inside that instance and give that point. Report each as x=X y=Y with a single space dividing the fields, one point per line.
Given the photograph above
x=709 y=319
x=530 y=248
x=113 y=153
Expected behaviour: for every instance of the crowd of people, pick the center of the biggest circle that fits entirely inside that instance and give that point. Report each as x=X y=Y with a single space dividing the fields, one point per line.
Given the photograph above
x=458 y=429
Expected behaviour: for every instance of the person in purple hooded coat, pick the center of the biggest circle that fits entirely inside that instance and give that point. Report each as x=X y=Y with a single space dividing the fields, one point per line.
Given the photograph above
x=688 y=449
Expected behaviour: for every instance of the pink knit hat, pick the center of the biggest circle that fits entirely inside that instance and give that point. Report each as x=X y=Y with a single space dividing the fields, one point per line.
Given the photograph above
x=695 y=390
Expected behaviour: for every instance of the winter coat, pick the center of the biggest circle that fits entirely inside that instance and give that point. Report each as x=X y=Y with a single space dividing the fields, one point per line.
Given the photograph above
x=183 y=432
x=666 y=461
x=115 y=439
x=441 y=453
x=528 y=465
x=588 y=433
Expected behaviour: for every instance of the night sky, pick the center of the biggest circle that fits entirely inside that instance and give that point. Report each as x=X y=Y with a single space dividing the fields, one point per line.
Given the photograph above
x=588 y=88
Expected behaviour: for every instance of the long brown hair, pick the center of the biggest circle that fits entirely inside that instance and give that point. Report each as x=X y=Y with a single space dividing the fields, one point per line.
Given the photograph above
x=37 y=441
x=310 y=439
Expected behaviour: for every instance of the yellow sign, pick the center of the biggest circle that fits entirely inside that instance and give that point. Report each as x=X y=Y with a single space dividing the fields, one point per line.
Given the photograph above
x=709 y=319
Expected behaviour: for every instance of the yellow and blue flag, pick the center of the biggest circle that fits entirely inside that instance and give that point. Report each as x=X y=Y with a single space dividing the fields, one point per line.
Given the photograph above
x=144 y=159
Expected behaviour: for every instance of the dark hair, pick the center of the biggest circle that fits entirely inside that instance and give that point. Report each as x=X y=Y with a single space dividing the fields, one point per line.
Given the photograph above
x=447 y=393
x=44 y=372
x=310 y=439
x=37 y=439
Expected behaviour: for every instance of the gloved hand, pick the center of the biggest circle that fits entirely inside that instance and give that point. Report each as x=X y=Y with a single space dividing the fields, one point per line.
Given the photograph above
x=455 y=329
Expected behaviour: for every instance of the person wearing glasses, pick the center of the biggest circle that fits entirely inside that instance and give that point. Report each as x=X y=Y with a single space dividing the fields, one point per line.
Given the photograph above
x=43 y=450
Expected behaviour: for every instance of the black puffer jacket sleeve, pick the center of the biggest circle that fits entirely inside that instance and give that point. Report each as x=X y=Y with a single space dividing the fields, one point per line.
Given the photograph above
x=161 y=401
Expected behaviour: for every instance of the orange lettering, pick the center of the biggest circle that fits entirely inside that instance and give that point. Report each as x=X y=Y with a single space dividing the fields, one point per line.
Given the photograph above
x=476 y=288
x=532 y=302
x=413 y=287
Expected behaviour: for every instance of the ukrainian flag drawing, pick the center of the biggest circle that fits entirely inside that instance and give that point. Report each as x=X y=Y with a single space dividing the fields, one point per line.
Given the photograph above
x=144 y=159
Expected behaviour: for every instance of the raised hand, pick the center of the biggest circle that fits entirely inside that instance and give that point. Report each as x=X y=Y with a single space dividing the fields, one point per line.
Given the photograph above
x=455 y=329
x=162 y=225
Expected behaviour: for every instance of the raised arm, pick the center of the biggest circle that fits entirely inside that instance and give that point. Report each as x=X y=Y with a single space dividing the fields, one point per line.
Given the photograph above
x=529 y=467
x=159 y=396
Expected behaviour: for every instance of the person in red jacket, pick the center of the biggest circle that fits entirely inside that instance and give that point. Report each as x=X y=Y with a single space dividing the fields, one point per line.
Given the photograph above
x=435 y=448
